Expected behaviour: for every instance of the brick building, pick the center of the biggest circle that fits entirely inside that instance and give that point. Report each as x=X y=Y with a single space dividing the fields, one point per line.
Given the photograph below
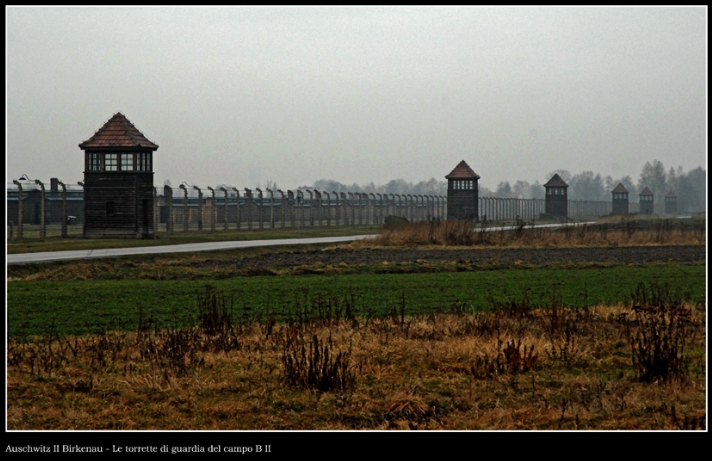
x=32 y=203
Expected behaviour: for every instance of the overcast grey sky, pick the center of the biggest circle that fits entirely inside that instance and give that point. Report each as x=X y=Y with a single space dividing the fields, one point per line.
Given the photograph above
x=245 y=95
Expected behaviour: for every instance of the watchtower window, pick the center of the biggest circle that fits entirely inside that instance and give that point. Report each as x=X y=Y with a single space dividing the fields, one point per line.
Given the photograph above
x=94 y=161
x=144 y=161
x=110 y=162
x=127 y=161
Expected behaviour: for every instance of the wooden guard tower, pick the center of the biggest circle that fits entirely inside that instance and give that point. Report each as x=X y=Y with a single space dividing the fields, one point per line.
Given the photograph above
x=557 y=204
x=670 y=203
x=118 y=181
x=647 y=203
x=462 y=193
x=620 y=200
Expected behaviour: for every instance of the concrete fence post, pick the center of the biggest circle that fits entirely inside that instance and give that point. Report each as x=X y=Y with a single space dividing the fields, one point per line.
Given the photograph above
x=224 y=189
x=64 y=209
x=19 y=208
x=248 y=203
x=300 y=202
x=311 y=208
x=359 y=208
x=282 y=207
x=213 y=210
x=271 y=208
x=337 y=209
x=200 y=208
x=290 y=198
x=168 y=197
x=374 y=217
x=43 y=229
x=351 y=205
x=185 y=207
x=84 y=223
x=154 y=231
x=328 y=209
x=379 y=217
x=344 y=205
x=319 y=217
x=238 y=221
x=259 y=209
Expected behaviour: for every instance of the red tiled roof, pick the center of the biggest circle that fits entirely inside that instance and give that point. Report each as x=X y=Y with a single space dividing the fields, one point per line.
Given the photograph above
x=118 y=132
x=647 y=191
x=462 y=171
x=619 y=188
x=556 y=181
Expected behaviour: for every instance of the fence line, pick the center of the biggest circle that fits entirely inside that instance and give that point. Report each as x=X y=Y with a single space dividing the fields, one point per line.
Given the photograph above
x=187 y=209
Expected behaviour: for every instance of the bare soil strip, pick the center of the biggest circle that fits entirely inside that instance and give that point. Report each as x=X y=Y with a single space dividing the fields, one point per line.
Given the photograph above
x=623 y=255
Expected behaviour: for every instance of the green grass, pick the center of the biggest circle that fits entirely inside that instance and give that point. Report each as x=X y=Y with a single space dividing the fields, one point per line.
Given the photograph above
x=77 y=243
x=90 y=306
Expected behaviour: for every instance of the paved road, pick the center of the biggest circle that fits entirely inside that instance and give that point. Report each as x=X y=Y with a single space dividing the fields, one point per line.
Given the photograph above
x=25 y=258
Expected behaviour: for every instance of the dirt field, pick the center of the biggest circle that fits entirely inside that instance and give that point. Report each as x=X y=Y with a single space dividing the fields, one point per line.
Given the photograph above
x=624 y=255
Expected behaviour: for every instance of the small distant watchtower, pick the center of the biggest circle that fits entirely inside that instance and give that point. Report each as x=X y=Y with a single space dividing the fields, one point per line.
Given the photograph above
x=620 y=200
x=118 y=181
x=671 y=203
x=556 y=197
x=647 y=202
x=462 y=193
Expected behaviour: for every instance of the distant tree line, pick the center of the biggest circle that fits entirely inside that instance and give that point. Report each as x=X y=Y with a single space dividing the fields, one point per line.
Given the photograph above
x=396 y=186
x=689 y=187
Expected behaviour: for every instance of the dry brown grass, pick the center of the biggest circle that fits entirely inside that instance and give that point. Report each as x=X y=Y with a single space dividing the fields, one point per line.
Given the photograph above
x=628 y=230
x=511 y=368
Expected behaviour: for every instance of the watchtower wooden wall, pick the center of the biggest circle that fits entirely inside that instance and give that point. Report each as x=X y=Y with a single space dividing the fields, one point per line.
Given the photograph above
x=619 y=203
x=462 y=193
x=647 y=202
x=557 y=204
x=118 y=181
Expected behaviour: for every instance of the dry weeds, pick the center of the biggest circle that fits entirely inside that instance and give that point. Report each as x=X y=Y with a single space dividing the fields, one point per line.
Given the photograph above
x=510 y=368
x=629 y=230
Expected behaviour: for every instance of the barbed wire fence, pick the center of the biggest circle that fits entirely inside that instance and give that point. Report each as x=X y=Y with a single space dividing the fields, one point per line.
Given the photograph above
x=189 y=208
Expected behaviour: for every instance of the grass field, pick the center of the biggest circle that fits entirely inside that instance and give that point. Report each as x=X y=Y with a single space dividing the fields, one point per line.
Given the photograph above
x=90 y=306
x=174 y=342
